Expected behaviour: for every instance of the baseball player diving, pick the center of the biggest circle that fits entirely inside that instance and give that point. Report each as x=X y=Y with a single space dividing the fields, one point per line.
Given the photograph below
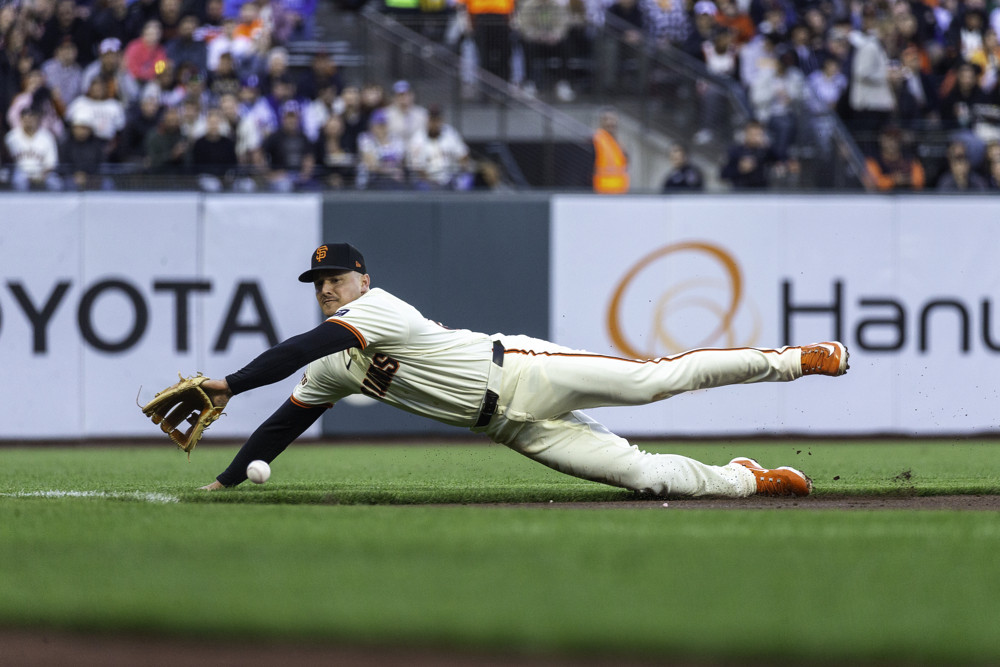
x=522 y=392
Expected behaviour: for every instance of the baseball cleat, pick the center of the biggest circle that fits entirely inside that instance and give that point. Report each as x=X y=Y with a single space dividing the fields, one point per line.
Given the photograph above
x=783 y=481
x=824 y=359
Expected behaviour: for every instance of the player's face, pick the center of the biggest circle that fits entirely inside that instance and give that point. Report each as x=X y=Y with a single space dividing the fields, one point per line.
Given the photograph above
x=336 y=289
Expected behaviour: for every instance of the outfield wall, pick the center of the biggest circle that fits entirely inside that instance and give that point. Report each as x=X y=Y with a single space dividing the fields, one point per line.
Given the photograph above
x=101 y=294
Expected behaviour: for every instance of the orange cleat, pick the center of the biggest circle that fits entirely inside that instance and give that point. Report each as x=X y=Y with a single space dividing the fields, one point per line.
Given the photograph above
x=824 y=359
x=782 y=481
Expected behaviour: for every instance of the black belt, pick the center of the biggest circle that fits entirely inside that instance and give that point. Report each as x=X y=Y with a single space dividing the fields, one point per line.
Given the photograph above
x=490 y=401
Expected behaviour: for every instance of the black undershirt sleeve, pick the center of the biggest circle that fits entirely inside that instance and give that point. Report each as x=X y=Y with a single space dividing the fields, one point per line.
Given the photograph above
x=290 y=355
x=270 y=439
x=290 y=420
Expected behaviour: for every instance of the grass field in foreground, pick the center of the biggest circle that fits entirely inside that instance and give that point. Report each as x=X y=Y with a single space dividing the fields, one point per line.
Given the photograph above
x=306 y=557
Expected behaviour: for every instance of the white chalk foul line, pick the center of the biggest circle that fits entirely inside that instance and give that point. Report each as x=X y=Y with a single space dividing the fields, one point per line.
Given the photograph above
x=128 y=495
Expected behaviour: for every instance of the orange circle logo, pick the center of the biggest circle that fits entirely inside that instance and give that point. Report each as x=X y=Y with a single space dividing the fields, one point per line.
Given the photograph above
x=692 y=312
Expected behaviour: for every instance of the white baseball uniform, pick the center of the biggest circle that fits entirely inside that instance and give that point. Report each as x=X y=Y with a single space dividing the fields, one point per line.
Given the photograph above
x=527 y=393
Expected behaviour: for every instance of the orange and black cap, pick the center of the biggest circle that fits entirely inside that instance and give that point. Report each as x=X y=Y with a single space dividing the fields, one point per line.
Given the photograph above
x=334 y=257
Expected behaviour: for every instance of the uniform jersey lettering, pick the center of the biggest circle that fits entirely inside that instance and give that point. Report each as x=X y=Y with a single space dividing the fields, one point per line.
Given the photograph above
x=379 y=376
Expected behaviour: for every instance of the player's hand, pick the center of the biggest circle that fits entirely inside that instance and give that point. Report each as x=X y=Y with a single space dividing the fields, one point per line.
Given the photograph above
x=218 y=391
x=214 y=486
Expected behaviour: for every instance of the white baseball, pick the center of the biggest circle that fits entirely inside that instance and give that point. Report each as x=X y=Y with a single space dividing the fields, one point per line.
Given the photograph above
x=258 y=471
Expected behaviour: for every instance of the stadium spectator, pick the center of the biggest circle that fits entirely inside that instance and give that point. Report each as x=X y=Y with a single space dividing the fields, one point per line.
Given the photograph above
x=283 y=89
x=240 y=47
x=250 y=26
x=289 y=155
x=749 y=162
x=276 y=70
x=67 y=23
x=80 y=157
x=988 y=60
x=167 y=149
x=140 y=12
x=959 y=176
x=437 y=157
x=372 y=98
x=757 y=56
x=683 y=175
x=619 y=57
x=355 y=120
x=110 y=20
x=192 y=118
x=170 y=13
x=299 y=19
x=212 y=15
x=38 y=96
x=891 y=169
x=184 y=48
x=804 y=57
x=281 y=20
x=964 y=37
x=259 y=120
x=703 y=27
x=105 y=115
x=405 y=118
x=870 y=95
x=141 y=121
x=825 y=89
x=34 y=152
x=108 y=67
x=731 y=15
x=318 y=111
x=381 y=156
x=224 y=80
x=775 y=96
x=669 y=22
x=543 y=28
x=323 y=71
x=490 y=22
x=167 y=86
x=229 y=107
x=335 y=166
x=213 y=154
x=915 y=92
x=720 y=58
x=991 y=155
x=145 y=54
x=971 y=112
x=994 y=179
x=63 y=74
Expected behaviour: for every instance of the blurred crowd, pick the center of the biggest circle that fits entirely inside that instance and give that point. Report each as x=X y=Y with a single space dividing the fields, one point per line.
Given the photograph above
x=891 y=70
x=202 y=91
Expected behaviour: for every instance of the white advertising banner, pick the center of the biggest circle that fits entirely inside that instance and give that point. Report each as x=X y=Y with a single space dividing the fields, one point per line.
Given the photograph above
x=909 y=284
x=105 y=298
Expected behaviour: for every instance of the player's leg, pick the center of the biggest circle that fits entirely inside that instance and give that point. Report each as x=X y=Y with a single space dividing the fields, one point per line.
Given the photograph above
x=577 y=445
x=553 y=380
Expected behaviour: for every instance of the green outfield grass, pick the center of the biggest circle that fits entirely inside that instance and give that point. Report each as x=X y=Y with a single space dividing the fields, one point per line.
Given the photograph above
x=372 y=545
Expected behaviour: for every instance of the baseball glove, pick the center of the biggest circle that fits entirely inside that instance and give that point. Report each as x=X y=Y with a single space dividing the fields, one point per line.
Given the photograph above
x=183 y=402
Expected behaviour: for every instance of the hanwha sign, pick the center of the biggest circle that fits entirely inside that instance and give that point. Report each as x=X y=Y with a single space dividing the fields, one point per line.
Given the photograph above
x=680 y=297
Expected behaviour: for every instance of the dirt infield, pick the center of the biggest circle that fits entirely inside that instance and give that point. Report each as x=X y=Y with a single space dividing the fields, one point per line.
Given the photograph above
x=822 y=502
x=59 y=649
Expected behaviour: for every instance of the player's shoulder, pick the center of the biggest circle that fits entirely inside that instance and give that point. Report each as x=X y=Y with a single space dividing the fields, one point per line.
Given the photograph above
x=373 y=301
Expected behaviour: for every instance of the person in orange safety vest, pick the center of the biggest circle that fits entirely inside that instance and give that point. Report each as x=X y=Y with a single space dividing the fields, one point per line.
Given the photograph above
x=610 y=161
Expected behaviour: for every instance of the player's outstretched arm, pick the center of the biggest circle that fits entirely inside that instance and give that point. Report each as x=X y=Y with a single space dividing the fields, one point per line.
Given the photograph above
x=270 y=439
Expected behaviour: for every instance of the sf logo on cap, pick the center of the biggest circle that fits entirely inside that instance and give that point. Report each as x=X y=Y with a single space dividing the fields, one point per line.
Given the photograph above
x=320 y=253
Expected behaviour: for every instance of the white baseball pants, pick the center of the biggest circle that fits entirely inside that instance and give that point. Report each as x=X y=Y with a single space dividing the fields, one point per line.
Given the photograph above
x=544 y=387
